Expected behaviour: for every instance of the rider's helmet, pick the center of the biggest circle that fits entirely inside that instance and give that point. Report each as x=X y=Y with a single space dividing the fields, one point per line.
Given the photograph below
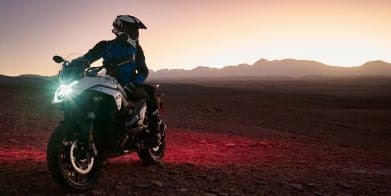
x=127 y=24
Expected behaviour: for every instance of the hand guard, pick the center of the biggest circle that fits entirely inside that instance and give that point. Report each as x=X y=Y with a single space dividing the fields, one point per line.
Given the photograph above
x=80 y=62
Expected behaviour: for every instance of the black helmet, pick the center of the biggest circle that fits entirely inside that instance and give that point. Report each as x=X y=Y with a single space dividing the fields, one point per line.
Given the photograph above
x=123 y=23
x=127 y=24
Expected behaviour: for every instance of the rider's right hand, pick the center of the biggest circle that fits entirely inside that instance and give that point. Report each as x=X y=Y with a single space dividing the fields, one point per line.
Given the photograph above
x=80 y=62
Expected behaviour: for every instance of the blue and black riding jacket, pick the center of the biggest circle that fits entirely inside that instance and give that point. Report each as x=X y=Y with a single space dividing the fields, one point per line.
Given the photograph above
x=122 y=61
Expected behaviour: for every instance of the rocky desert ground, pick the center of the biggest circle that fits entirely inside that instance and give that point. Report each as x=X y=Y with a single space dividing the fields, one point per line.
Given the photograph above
x=281 y=137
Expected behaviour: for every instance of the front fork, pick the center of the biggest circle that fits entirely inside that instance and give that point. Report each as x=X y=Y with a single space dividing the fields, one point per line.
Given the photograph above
x=90 y=137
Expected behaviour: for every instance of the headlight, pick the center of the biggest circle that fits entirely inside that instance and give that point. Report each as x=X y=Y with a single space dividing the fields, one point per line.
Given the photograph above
x=63 y=91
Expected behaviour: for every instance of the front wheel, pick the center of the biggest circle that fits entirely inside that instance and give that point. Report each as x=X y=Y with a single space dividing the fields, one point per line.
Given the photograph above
x=71 y=164
x=154 y=155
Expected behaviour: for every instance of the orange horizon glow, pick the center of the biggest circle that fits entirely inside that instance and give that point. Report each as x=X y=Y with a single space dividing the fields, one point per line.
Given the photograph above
x=187 y=34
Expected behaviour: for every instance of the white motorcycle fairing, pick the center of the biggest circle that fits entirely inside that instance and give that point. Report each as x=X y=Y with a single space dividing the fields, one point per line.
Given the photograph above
x=104 y=84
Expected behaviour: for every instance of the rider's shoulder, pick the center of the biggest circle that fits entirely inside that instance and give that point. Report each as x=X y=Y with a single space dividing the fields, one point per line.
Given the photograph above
x=104 y=42
x=102 y=45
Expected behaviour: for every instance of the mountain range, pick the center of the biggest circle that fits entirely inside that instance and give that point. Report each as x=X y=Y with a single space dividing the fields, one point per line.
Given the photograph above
x=290 y=68
x=265 y=69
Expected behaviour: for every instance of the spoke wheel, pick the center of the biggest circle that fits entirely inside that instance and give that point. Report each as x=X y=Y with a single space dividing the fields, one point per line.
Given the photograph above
x=154 y=155
x=70 y=164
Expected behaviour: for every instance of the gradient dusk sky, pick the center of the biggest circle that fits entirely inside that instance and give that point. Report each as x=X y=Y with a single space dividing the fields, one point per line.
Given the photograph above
x=189 y=33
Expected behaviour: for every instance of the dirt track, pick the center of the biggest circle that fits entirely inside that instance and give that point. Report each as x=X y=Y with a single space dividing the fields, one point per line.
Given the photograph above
x=211 y=158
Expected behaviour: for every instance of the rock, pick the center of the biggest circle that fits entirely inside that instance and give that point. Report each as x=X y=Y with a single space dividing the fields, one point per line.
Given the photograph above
x=264 y=143
x=297 y=186
x=13 y=141
x=211 y=178
x=152 y=169
x=217 y=192
x=95 y=192
x=347 y=186
x=310 y=184
x=184 y=190
x=142 y=185
x=157 y=183
x=189 y=163
x=120 y=187
x=223 y=194
x=209 y=194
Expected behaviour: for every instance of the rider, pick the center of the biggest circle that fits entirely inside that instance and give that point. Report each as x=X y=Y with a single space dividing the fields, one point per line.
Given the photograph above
x=124 y=59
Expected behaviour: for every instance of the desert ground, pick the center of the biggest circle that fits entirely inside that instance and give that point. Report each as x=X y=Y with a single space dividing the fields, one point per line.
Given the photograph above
x=225 y=137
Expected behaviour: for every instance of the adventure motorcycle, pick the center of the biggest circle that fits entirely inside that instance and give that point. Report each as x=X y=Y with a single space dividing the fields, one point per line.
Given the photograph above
x=99 y=123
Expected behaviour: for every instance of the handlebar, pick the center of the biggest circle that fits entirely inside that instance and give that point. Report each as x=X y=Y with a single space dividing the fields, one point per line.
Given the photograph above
x=93 y=71
x=97 y=69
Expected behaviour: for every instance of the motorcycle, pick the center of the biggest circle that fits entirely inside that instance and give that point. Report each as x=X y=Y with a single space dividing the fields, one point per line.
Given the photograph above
x=100 y=122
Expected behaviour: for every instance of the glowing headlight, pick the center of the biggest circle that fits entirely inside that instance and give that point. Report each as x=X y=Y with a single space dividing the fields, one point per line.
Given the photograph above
x=63 y=91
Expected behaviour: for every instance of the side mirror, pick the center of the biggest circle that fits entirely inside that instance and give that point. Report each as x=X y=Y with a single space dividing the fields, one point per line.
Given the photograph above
x=58 y=59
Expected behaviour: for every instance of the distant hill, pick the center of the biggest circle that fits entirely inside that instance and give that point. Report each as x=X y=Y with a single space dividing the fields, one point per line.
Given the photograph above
x=262 y=69
x=290 y=68
x=28 y=80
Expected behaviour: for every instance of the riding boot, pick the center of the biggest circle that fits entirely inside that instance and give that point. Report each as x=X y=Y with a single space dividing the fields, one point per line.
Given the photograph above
x=135 y=96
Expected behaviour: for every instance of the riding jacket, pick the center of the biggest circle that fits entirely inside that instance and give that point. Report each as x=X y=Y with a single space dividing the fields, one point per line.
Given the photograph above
x=121 y=59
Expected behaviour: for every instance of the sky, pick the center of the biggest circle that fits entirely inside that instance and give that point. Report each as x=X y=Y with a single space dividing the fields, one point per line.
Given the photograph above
x=186 y=34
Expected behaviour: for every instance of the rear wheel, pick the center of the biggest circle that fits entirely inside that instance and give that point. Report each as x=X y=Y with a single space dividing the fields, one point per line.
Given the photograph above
x=154 y=155
x=71 y=164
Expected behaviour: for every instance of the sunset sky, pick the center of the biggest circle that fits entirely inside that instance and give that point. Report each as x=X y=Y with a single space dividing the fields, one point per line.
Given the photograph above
x=186 y=34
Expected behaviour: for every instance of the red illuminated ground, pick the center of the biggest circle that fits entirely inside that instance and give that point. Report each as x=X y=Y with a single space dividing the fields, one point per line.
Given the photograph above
x=211 y=158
